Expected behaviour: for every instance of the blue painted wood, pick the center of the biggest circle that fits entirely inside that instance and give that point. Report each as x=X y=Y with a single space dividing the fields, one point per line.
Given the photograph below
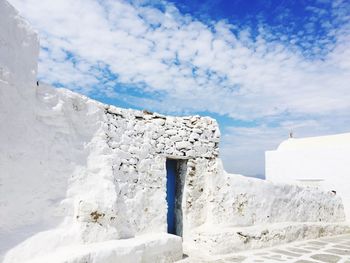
x=170 y=197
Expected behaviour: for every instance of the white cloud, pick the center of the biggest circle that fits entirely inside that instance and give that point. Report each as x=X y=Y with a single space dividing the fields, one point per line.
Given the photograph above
x=196 y=67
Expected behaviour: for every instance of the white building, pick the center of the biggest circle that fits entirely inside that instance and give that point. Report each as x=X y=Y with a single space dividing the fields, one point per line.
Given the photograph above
x=81 y=181
x=322 y=162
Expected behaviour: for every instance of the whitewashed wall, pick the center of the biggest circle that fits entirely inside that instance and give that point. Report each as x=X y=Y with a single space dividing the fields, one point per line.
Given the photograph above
x=248 y=213
x=326 y=162
x=135 y=147
x=19 y=46
x=245 y=201
x=75 y=171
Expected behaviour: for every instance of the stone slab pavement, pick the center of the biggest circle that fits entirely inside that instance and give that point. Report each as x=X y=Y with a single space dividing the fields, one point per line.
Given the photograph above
x=335 y=249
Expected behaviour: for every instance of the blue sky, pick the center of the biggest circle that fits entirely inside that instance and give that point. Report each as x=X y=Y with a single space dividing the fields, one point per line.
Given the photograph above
x=261 y=68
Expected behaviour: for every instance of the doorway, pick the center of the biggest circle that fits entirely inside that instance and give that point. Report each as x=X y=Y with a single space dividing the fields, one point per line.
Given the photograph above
x=176 y=170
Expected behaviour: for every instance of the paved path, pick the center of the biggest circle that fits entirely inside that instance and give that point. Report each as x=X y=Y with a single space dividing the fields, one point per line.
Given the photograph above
x=334 y=249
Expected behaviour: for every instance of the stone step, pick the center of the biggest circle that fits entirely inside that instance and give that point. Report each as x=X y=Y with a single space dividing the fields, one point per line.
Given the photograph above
x=327 y=249
x=146 y=248
x=220 y=240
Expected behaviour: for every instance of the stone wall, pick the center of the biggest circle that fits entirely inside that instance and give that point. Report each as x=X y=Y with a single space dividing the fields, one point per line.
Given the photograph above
x=138 y=144
x=154 y=134
x=75 y=171
x=240 y=201
x=247 y=213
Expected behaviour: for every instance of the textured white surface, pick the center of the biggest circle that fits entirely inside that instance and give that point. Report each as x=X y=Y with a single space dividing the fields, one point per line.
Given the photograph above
x=19 y=47
x=76 y=173
x=326 y=249
x=246 y=213
x=243 y=201
x=220 y=240
x=148 y=248
x=325 y=159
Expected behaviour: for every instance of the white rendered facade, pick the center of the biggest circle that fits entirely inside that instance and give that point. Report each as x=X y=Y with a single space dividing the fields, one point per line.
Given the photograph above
x=322 y=162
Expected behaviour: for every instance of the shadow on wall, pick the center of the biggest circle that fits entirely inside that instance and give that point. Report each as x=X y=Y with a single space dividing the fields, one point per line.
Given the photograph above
x=259 y=176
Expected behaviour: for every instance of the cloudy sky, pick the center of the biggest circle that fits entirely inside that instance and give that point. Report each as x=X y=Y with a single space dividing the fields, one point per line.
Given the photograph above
x=260 y=67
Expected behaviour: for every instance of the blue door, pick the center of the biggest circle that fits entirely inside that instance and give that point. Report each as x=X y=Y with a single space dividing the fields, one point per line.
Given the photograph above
x=170 y=196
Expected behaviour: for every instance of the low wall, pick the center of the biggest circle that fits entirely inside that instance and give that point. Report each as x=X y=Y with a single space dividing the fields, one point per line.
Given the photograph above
x=76 y=172
x=247 y=213
x=241 y=201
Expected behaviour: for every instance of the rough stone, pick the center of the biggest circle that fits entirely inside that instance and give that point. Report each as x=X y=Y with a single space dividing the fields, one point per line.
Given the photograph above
x=76 y=172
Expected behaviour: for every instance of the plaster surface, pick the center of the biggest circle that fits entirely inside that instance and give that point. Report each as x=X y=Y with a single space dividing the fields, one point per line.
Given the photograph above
x=247 y=213
x=79 y=174
x=334 y=249
x=316 y=162
x=145 y=248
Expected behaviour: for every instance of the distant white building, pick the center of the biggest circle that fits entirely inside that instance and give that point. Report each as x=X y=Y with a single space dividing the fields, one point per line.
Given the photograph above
x=322 y=162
